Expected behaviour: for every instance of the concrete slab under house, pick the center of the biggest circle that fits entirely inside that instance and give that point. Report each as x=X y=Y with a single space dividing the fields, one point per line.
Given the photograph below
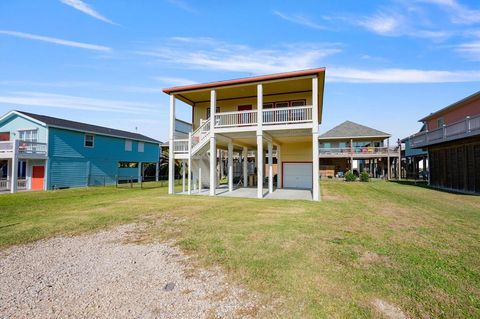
x=257 y=133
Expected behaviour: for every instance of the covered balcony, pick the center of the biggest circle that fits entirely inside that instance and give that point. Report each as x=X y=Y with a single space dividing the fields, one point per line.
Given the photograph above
x=23 y=149
x=468 y=127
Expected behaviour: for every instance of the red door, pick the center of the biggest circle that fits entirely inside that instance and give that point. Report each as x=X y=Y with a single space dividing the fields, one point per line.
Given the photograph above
x=4 y=136
x=38 y=175
x=244 y=118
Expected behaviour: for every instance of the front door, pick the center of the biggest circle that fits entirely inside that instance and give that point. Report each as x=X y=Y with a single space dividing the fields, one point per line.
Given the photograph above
x=38 y=175
x=245 y=118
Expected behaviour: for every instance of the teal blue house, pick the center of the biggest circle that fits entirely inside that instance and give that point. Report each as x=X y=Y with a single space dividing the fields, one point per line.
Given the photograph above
x=39 y=152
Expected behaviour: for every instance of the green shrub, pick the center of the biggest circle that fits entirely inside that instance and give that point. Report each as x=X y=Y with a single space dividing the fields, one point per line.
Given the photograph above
x=364 y=177
x=350 y=177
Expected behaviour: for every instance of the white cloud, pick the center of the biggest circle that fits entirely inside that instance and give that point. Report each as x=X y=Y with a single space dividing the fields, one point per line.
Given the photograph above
x=354 y=75
x=85 y=8
x=75 y=102
x=299 y=19
x=210 y=54
x=56 y=41
x=470 y=50
x=383 y=23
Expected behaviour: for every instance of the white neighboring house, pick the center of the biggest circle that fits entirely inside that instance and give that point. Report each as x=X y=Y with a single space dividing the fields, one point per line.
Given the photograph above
x=274 y=115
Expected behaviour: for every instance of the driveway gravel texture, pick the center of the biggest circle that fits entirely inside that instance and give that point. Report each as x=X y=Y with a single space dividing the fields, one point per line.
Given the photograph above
x=106 y=275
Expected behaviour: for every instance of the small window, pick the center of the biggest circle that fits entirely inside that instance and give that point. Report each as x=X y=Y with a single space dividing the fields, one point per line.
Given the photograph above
x=128 y=145
x=217 y=110
x=141 y=147
x=281 y=104
x=267 y=106
x=127 y=164
x=298 y=103
x=440 y=122
x=89 y=140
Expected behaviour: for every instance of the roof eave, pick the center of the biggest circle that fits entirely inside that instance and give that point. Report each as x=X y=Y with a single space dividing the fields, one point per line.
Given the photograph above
x=247 y=80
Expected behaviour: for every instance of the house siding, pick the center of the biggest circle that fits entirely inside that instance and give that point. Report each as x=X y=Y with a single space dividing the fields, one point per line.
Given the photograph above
x=457 y=114
x=15 y=123
x=71 y=164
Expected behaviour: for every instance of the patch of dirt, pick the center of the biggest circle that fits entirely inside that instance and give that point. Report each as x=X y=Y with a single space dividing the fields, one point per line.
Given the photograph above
x=369 y=257
x=107 y=275
x=389 y=310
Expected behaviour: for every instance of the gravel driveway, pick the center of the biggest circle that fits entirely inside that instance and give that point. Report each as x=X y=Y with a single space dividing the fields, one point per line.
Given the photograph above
x=102 y=275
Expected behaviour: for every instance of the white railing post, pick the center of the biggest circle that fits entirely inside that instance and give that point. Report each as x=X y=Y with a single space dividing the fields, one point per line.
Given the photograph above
x=444 y=131
x=467 y=124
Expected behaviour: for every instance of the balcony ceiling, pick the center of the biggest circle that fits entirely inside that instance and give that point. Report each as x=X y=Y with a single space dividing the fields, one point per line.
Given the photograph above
x=293 y=85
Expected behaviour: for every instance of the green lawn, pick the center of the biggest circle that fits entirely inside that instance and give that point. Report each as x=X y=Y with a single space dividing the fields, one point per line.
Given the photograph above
x=413 y=247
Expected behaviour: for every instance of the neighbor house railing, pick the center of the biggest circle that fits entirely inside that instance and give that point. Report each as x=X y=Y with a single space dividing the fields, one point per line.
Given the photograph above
x=356 y=151
x=23 y=147
x=4 y=184
x=180 y=146
x=463 y=128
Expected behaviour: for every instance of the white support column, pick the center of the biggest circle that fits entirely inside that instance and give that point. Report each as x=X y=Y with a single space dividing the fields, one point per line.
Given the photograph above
x=14 y=170
x=183 y=176
x=199 y=180
x=213 y=144
x=230 y=167
x=220 y=159
x=171 y=157
x=279 y=167
x=260 y=165
x=315 y=159
x=157 y=171
x=270 y=167
x=260 y=156
x=245 y=166
x=189 y=177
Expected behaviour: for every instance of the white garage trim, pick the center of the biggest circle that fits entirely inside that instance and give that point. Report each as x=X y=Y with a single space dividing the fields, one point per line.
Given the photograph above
x=297 y=175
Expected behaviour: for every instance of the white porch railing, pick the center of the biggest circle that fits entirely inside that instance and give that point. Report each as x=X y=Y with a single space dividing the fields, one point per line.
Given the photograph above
x=234 y=119
x=287 y=115
x=22 y=184
x=463 y=128
x=23 y=148
x=4 y=184
x=358 y=151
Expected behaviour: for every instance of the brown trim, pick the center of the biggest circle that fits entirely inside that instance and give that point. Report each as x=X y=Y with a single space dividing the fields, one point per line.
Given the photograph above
x=293 y=162
x=245 y=80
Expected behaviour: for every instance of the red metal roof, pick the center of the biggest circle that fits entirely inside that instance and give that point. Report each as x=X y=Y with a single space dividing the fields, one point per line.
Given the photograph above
x=450 y=107
x=244 y=80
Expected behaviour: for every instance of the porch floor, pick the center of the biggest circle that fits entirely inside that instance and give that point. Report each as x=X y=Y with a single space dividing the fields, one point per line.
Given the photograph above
x=251 y=192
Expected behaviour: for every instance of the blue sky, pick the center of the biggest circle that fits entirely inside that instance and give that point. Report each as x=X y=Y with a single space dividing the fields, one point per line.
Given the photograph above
x=388 y=63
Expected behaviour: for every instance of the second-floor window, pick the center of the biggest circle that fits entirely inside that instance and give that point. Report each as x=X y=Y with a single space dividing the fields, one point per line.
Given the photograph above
x=141 y=147
x=128 y=145
x=217 y=110
x=440 y=122
x=89 y=140
x=27 y=135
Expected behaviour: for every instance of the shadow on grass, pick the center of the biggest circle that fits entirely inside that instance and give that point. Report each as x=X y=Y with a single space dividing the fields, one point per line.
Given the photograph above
x=424 y=184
